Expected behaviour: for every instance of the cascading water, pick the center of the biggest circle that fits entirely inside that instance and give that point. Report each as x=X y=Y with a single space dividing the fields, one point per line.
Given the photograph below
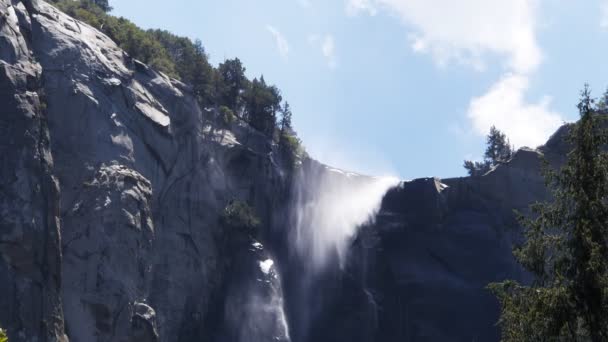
x=328 y=208
x=254 y=309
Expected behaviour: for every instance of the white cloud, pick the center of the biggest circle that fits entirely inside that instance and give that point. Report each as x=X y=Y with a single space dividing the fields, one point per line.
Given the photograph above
x=465 y=30
x=354 y=7
x=304 y=3
x=327 y=46
x=604 y=14
x=504 y=105
x=281 y=42
x=468 y=32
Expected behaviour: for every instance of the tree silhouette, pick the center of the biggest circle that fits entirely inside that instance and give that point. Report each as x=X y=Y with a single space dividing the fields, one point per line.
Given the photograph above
x=565 y=248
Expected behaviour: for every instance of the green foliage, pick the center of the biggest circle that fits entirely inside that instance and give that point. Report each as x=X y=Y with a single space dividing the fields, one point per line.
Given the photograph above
x=231 y=81
x=498 y=147
x=290 y=146
x=286 y=118
x=565 y=248
x=103 y=4
x=498 y=151
x=476 y=169
x=227 y=116
x=262 y=104
x=138 y=43
x=290 y=149
x=602 y=103
x=3 y=337
x=239 y=216
x=180 y=57
x=191 y=63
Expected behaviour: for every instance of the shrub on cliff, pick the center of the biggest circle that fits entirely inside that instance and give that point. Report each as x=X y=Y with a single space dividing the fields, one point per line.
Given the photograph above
x=240 y=217
x=3 y=337
x=227 y=117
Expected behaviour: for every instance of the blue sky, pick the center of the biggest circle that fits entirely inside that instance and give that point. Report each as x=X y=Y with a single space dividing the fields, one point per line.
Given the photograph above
x=405 y=87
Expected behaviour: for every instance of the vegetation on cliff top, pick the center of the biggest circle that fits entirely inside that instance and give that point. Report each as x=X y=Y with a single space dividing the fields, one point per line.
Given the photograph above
x=226 y=86
x=498 y=150
x=566 y=247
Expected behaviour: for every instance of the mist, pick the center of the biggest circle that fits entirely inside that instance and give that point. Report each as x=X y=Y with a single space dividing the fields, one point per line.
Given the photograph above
x=329 y=206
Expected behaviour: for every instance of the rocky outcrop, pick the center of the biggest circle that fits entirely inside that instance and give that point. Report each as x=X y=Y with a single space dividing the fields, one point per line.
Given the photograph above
x=420 y=271
x=30 y=253
x=107 y=258
x=143 y=175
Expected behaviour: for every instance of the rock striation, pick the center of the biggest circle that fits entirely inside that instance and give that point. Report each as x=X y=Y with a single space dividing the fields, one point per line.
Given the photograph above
x=120 y=160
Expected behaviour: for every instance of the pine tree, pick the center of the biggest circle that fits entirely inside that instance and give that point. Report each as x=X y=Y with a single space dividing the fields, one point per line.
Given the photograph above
x=499 y=149
x=565 y=248
x=286 y=118
x=233 y=81
x=103 y=4
x=476 y=169
x=602 y=104
x=262 y=104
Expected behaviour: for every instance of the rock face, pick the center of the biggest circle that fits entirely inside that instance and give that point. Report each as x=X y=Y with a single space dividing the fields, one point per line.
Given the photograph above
x=419 y=272
x=143 y=180
x=30 y=254
x=436 y=265
x=113 y=183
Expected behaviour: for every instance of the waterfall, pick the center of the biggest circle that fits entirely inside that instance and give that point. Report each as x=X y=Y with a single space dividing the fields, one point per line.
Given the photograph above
x=329 y=206
x=327 y=209
x=254 y=309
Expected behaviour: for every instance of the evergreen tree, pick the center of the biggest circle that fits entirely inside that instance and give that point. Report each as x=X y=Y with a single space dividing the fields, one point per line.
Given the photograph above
x=286 y=118
x=191 y=63
x=103 y=4
x=180 y=57
x=565 y=249
x=476 y=169
x=499 y=150
x=262 y=105
x=602 y=104
x=232 y=81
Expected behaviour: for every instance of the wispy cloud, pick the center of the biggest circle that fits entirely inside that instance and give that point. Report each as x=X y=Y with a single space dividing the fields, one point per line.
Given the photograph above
x=526 y=124
x=467 y=32
x=353 y=7
x=280 y=41
x=327 y=46
x=604 y=14
x=460 y=30
x=304 y=3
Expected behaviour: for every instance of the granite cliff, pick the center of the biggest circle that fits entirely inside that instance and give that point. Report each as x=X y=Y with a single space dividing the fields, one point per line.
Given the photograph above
x=113 y=185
